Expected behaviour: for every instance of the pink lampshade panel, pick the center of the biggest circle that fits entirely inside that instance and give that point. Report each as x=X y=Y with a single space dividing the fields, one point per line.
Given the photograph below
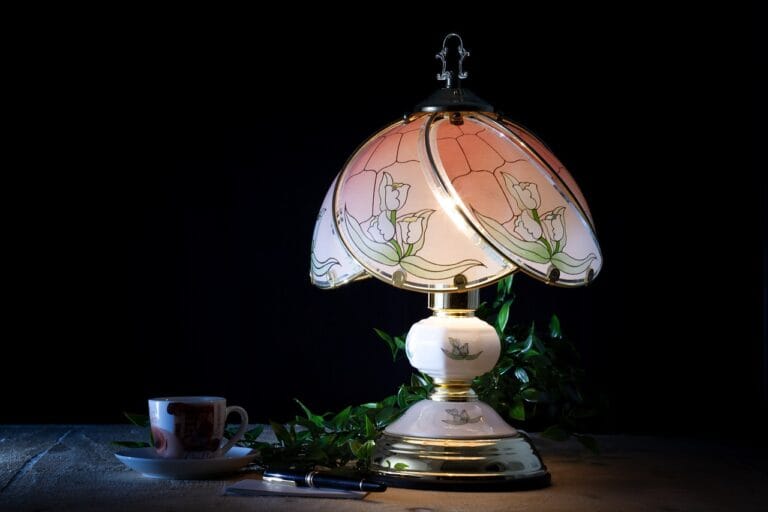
x=517 y=195
x=403 y=228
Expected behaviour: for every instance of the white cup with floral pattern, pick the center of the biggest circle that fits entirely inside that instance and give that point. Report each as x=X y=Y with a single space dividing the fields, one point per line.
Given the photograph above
x=192 y=427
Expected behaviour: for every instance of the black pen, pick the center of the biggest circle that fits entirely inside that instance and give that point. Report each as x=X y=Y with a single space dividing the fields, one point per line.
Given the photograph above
x=327 y=480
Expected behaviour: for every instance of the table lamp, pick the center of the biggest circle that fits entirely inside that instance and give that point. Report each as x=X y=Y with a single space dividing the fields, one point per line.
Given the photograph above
x=449 y=199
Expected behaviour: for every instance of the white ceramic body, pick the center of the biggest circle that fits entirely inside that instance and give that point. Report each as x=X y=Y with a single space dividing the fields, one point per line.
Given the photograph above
x=453 y=348
x=192 y=426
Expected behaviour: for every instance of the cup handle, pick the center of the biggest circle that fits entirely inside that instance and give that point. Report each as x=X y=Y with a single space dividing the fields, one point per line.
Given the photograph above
x=240 y=432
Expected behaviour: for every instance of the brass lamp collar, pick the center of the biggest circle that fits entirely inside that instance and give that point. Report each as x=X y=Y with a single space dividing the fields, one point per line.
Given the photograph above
x=453 y=391
x=454 y=303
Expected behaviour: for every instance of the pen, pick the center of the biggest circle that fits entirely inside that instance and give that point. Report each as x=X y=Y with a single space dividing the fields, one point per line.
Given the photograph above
x=316 y=479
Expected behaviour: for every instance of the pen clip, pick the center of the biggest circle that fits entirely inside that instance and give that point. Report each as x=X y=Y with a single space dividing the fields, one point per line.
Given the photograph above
x=276 y=480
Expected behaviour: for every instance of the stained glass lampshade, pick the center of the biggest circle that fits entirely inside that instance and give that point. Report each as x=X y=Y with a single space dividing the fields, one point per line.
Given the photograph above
x=445 y=201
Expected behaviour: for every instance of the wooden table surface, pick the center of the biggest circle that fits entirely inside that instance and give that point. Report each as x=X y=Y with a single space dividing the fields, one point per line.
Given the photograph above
x=60 y=467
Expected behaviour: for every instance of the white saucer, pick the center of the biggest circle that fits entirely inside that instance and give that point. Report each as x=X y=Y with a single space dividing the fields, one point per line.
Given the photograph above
x=148 y=463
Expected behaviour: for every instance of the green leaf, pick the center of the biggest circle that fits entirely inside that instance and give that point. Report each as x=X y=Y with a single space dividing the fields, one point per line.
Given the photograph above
x=426 y=269
x=530 y=353
x=316 y=420
x=282 y=434
x=370 y=428
x=385 y=416
x=355 y=446
x=366 y=450
x=504 y=286
x=361 y=450
x=556 y=433
x=588 y=442
x=402 y=396
x=394 y=346
x=400 y=466
x=503 y=317
x=522 y=375
x=418 y=381
x=400 y=342
x=131 y=444
x=530 y=394
x=504 y=365
x=554 y=327
x=255 y=432
x=140 y=420
x=249 y=436
x=341 y=418
x=517 y=411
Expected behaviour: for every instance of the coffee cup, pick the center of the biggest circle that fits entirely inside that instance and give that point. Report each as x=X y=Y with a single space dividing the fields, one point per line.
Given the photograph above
x=192 y=427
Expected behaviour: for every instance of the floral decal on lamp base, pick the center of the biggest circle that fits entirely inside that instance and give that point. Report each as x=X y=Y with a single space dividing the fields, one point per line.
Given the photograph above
x=538 y=237
x=460 y=351
x=460 y=418
x=395 y=239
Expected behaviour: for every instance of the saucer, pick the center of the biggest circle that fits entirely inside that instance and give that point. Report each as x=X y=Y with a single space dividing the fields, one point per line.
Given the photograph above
x=148 y=463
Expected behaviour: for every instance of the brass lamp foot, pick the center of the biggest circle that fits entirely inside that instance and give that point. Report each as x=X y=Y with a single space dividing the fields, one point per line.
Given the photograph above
x=500 y=464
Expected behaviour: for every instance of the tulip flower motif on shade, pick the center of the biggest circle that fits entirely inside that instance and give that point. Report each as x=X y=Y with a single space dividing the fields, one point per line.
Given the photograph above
x=391 y=219
x=519 y=196
x=538 y=237
x=394 y=239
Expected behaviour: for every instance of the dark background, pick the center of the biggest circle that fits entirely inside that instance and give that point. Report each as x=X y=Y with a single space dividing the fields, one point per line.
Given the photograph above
x=171 y=169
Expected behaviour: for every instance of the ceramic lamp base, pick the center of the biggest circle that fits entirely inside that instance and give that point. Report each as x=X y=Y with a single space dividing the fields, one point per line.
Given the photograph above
x=457 y=446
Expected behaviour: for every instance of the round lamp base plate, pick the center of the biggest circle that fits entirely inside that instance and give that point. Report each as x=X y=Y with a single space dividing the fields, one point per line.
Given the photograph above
x=490 y=464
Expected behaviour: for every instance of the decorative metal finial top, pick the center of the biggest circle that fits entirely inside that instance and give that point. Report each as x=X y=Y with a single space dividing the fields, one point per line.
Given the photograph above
x=448 y=76
x=452 y=97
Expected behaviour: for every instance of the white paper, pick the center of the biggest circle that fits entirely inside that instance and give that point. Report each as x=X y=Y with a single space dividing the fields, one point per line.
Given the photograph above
x=251 y=487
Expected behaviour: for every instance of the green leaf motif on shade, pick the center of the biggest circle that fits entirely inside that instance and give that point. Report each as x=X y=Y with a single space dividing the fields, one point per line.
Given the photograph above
x=426 y=269
x=570 y=265
x=532 y=251
x=321 y=268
